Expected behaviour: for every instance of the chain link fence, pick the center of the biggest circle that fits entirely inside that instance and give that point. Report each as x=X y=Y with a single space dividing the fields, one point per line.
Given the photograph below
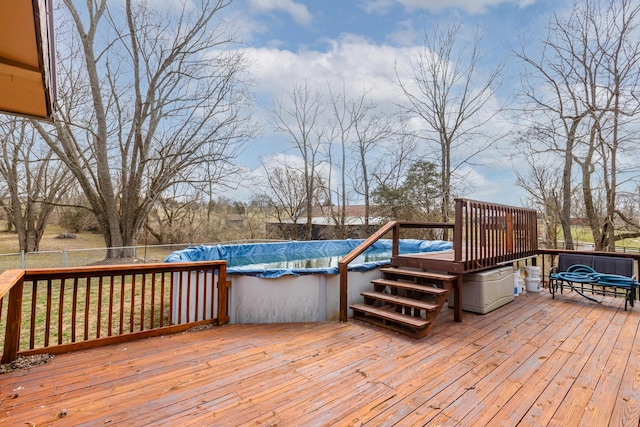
x=98 y=256
x=87 y=256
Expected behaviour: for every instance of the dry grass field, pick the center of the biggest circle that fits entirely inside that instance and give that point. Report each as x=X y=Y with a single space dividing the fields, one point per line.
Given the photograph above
x=50 y=242
x=85 y=249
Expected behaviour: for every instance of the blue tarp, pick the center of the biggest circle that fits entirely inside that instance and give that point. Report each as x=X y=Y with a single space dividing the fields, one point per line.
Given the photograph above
x=242 y=259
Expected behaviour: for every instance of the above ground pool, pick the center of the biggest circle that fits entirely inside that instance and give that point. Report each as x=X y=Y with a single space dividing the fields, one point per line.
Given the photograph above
x=271 y=260
x=293 y=281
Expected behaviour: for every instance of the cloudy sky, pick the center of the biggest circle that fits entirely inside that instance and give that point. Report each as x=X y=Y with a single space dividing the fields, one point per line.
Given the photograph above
x=364 y=41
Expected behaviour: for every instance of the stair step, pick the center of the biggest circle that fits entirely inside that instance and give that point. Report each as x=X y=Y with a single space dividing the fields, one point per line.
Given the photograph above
x=412 y=286
x=413 y=322
x=419 y=273
x=395 y=299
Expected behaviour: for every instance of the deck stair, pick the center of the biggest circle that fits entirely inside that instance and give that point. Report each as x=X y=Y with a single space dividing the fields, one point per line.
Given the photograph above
x=405 y=300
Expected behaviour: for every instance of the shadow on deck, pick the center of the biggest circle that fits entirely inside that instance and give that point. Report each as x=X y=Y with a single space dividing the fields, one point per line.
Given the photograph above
x=535 y=361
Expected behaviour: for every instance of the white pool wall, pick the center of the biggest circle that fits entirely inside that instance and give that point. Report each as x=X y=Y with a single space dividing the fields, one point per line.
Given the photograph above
x=306 y=298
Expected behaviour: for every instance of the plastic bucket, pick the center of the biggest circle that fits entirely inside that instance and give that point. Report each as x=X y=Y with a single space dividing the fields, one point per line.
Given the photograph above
x=532 y=285
x=531 y=272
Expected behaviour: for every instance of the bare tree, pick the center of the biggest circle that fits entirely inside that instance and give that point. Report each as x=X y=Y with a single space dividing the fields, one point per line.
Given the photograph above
x=286 y=193
x=618 y=38
x=556 y=116
x=452 y=97
x=298 y=116
x=343 y=111
x=175 y=218
x=373 y=129
x=34 y=179
x=394 y=156
x=582 y=98
x=359 y=127
x=543 y=183
x=148 y=98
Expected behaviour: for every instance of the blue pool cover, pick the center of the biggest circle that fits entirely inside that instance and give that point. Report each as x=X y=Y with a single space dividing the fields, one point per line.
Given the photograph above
x=249 y=259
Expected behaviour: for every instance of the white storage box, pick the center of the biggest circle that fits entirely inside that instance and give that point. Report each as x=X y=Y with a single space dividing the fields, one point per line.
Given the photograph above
x=487 y=290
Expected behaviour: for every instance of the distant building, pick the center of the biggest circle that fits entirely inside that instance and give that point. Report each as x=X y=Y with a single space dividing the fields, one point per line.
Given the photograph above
x=234 y=220
x=326 y=224
x=579 y=221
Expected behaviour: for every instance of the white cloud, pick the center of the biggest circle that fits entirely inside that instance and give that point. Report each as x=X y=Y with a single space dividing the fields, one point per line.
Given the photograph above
x=377 y=6
x=469 y=6
x=361 y=65
x=352 y=60
x=406 y=35
x=289 y=161
x=174 y=6
x=247 y=27
x=498 y=187
x=299 y=12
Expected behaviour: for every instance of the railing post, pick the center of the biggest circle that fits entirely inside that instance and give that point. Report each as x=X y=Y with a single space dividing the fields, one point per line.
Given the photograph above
x=457 y=230
x=395 y=249
x=223 y=295
x=343 y=271
x=14 y=318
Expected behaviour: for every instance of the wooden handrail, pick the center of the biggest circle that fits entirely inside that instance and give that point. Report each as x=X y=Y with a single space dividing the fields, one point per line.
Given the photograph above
x=8 y=279
x=117 y=269
x=121 y=302
x=394 y=226
x=358 y=250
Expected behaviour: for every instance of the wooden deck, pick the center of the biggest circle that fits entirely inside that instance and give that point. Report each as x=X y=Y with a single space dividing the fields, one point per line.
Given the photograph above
x=430 y=261
x=441 y=261
x=536 y=361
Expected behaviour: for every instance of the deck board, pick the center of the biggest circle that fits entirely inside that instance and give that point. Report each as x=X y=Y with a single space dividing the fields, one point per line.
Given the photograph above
x=535 y=361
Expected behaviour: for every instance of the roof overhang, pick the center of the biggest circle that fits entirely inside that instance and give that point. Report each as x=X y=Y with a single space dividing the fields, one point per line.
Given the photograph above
x=27 y=71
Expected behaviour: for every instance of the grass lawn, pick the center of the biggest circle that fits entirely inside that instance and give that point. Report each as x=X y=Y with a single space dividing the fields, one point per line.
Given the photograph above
x=582 y=234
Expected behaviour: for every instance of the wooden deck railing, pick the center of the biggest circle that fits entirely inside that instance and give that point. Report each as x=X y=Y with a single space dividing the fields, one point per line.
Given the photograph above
x=488 y=234
x=485 y=235
x=62 y=309
x=393 y=227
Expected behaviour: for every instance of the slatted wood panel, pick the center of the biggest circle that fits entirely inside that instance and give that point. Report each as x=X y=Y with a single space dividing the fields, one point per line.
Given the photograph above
x=535 y=361
x=487 y=234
